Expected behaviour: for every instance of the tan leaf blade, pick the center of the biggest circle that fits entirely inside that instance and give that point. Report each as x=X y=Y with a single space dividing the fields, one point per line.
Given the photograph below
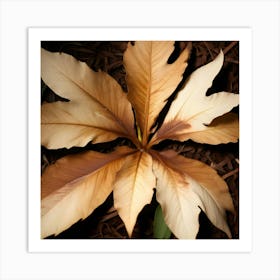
x=181 y=191
x=150 y=79
x=192 y=110
x=68 y=124
x=203 y=174
x=97 y=106
x=133 y=188
x=75 y=185
x=179 y=204
x=222 y=130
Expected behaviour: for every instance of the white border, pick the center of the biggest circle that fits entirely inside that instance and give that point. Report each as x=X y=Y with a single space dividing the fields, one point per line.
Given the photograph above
x=243 y=35
x=262 y=16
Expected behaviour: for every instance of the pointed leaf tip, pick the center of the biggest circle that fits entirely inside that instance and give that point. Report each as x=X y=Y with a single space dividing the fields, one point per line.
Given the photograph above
x=133 y=188
x=76 y=185
x=151 y=80
x=184 y=185
x=97 y=111
x=192 y=110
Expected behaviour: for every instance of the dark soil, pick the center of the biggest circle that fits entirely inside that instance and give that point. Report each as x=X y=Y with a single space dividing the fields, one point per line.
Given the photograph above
x=104 y=222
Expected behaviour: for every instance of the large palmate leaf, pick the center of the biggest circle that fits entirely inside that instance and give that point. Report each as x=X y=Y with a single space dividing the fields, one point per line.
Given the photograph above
x=98 y=109
x=151 y=80
x=75 y=185
x=192 y=111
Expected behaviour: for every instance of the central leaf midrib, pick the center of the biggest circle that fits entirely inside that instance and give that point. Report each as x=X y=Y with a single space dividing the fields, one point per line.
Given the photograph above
x=148 y=94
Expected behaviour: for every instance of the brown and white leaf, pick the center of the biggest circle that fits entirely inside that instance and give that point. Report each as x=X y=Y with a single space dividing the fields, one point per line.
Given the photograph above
x=206 y=176
x=76 y=185
x=133 y=188
x=150 y=79
x=178 y=202
x=98 y=109
x=222 y=130
x=181 y=192
x=193 y=111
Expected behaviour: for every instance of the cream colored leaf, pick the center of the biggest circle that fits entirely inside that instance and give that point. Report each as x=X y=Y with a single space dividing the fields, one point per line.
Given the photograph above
x=68 y=124
x=178 y=202
x=192 y=110
x=98 y=108
x=206 y=176
x=222 y=130
x=180 y=197
x=151 y=80
x=76 y=185
x=133 y=188
x=209 y=205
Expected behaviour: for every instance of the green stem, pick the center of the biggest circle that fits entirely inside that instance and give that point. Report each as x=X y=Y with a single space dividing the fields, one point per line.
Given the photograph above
x=161 y=230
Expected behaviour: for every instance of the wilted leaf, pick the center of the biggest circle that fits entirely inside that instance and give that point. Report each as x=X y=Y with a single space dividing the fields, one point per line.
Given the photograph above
x=181 y=198
x=222 y=130
x=133 y=188
x=178 y=202
x=192 y=110
x=75 y=185
x=206 y=176
x=98 y=109
x=151 y=80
